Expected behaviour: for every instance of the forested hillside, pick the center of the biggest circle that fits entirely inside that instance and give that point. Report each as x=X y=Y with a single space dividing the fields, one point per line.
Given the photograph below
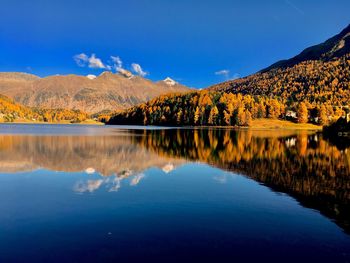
x=314 y=86
x=220 y=109
x=11 y=111
x=319 y=75
x=318 y=82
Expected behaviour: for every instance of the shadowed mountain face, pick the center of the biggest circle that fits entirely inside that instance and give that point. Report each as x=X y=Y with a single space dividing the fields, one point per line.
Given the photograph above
x=319 y=75
x=334 y=47
x=106 y=92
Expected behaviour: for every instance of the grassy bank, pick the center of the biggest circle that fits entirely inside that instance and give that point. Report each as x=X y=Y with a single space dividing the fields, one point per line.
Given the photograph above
x=272 y=124
x=258 y=124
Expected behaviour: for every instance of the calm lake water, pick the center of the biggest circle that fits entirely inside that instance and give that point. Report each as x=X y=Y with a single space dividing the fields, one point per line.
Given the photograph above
x=117 y=194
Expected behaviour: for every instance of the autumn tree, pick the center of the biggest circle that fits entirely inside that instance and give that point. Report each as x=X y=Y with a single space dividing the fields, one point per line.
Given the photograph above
x=302 y=113
x=247 y=118
x=212 y=120
x=196 y=116
x=179 y=117
x=274 y=109
x=240 y=116
x=228 y=114
x=322 y=115
x=261 y=110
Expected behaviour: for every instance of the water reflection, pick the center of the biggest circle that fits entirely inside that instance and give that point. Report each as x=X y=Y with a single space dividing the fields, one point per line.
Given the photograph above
x=303 y=165
x=105 y=155
x=111 y=183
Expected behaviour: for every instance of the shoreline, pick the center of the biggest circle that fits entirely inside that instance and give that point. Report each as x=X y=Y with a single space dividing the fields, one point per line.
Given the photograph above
x=95 y=123
x=257 y=125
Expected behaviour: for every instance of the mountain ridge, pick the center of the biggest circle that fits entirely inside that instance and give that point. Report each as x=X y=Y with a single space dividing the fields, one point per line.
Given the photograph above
x=335 y=46
x=318 y=75
x=108 y=91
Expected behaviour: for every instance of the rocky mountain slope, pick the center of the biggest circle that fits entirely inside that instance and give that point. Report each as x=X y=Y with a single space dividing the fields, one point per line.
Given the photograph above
x=89 y=94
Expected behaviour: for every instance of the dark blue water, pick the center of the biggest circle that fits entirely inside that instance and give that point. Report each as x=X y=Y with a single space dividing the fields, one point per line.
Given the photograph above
x=148 y=207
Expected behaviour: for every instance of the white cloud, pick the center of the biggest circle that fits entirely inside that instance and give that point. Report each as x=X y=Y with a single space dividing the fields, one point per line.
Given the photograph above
x=81 y=59
x=115 y=63
x=84 y=60
x=136 y=179
x=224 y=72
x=118 y=63
x=125 y=73
x=115 y=184
x=95 y=62
x=89 y=186
x=138 y=69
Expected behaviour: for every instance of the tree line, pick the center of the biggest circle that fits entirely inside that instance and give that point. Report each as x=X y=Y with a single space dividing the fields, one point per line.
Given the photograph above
x=210 y=108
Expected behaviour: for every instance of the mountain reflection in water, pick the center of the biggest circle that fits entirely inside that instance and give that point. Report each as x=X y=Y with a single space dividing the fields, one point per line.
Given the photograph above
x=303 y=165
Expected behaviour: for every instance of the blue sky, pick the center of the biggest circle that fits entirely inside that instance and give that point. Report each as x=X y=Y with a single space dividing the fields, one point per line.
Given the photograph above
x=190 y=41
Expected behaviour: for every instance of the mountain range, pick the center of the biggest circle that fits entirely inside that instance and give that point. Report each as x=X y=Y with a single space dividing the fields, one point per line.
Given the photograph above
x=319 y=75
x=90 y=94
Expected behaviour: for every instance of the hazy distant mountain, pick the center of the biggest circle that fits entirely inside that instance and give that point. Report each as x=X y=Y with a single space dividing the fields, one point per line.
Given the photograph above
x=87 y=93
x=320 y=74
x=334 y=47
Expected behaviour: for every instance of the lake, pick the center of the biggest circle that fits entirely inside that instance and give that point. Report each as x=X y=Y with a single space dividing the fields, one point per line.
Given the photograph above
x=74 y=193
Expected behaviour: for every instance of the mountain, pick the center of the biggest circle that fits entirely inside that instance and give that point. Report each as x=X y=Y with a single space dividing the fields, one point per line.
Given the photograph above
x=319 y=75
x=311 y=87
x=334 y=47
x=169 y=81
x=87 y=93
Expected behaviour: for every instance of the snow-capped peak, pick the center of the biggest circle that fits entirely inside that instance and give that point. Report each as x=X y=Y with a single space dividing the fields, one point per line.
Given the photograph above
x=170 y=81
x=90 y=76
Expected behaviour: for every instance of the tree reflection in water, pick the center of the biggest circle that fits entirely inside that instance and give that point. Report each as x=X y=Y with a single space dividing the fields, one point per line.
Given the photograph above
x=303 y=165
